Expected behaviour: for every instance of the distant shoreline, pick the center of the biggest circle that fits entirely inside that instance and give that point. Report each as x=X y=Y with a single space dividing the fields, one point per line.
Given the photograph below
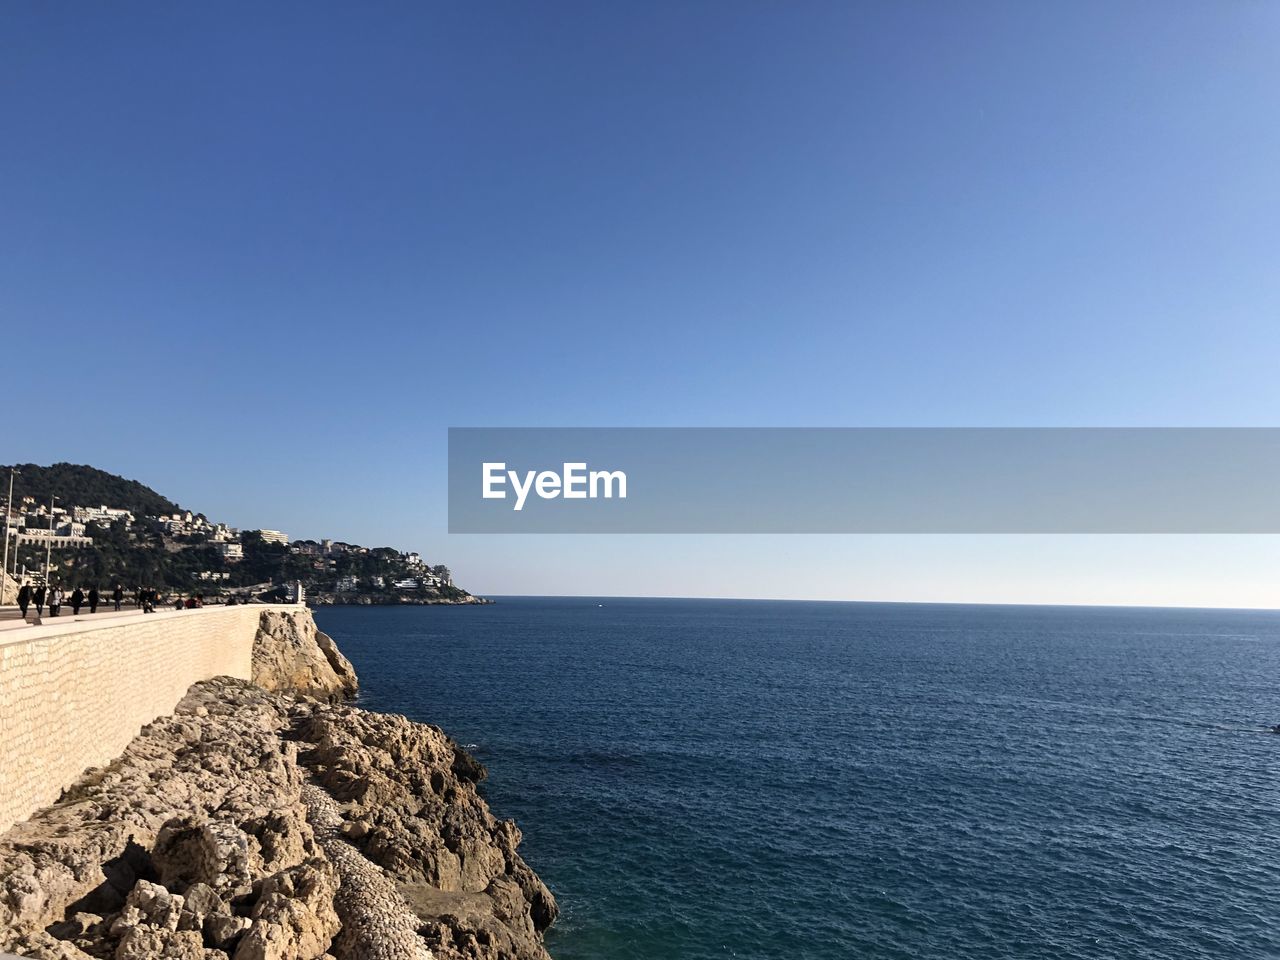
x=372 y=600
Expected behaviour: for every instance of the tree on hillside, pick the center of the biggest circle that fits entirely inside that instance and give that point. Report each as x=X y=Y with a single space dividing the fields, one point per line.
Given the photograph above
x=86 y=486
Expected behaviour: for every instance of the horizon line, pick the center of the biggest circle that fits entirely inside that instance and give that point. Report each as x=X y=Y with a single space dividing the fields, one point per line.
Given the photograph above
x=919 y=603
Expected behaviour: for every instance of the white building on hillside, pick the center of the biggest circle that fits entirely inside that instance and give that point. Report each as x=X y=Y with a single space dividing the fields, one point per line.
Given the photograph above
x=103 y=514
x=55 y=540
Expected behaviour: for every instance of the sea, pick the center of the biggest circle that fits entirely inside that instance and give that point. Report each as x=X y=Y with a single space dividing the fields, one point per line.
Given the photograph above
x=702 y=779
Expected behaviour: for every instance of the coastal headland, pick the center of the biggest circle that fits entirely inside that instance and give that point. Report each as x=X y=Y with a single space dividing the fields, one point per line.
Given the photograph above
x=74 y=526
x=383 y=600
x=259 y=815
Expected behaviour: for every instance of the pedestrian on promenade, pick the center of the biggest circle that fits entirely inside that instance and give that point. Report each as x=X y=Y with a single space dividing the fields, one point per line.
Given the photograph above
x=117 y=596
x=39 y=598
x=55 y=601
x=140 y=598
x=77 y=601
x=24 y=598
x=148 y=600
x=94 y=597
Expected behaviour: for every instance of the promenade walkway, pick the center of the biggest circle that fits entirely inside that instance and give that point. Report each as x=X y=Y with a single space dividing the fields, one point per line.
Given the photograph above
x=11 y=617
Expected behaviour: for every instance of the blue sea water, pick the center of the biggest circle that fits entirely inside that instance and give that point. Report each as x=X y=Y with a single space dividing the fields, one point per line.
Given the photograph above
x=702 y=779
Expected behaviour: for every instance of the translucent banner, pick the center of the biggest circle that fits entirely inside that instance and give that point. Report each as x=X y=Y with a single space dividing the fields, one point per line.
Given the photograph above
x=864 y=480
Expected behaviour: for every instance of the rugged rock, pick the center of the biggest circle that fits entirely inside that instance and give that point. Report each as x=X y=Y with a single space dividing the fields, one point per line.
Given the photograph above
x=252 y=825
x=294 y=915
x=412 y=808
x=377 y=922
x=147 y=943
x=223 y=930
x=291 y=655
x=88 y=852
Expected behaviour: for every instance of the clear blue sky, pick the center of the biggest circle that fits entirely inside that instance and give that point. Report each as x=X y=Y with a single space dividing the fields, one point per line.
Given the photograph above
x=260 y=256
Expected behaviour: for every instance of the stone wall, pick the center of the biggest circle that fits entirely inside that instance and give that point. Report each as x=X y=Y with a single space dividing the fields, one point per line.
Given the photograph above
x=72 y=695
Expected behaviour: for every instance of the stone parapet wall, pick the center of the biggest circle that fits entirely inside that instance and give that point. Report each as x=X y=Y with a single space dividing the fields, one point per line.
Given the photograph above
x=72 y=695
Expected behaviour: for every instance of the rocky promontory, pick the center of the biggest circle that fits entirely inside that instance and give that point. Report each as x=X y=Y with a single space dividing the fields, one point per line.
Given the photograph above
x=271 y=820
x=456 y=599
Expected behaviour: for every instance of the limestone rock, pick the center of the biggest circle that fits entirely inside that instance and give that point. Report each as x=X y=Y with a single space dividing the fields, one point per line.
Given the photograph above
x=89 y=852
x=377 y=921
x=152 y=905
x=149 y=943
x=77 y=926
x=258 y=826
x=294 y=918
x=224 y=930
x=290 y=655
x=412 y=808
x=213 y=854
x=201 y=902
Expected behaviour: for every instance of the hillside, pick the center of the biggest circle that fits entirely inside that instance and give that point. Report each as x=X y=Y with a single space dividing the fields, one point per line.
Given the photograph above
x=83 y=485
x=105 y=529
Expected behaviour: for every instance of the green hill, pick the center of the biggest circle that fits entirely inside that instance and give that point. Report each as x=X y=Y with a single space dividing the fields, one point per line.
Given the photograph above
x=85 y=486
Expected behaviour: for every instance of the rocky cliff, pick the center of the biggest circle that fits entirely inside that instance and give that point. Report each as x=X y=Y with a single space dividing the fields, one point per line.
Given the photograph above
x=291 y=656
x=269 y=821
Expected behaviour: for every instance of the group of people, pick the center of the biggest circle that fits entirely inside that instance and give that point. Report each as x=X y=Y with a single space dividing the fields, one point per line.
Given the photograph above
x=144 y=598
x=147 y=597
x=52 y=596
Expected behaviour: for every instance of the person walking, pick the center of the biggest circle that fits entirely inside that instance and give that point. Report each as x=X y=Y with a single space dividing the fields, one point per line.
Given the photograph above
x=55 y=601
x=117 y=596
x=77 y=601
x=94 y=597
x=24 y=598
x=39 y=598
